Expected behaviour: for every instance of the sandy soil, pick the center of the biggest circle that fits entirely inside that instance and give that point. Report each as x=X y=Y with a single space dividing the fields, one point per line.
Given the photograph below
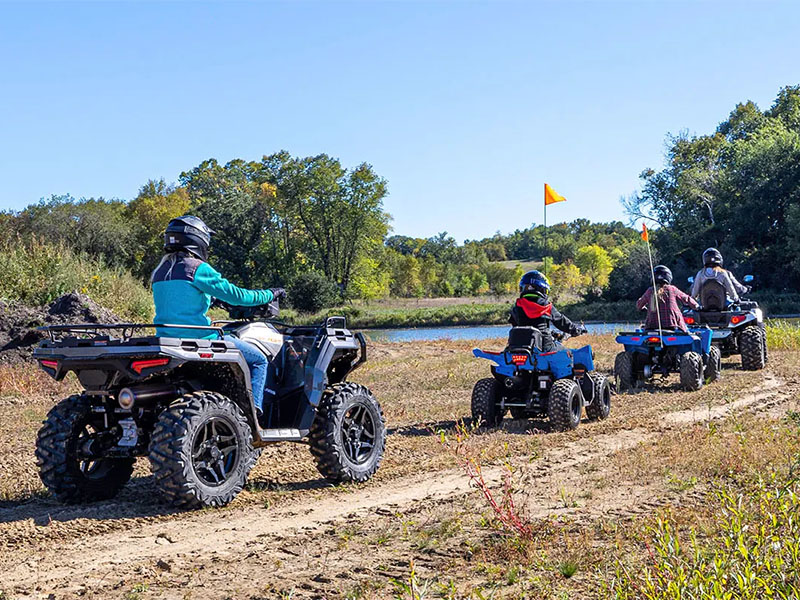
x=292 y=535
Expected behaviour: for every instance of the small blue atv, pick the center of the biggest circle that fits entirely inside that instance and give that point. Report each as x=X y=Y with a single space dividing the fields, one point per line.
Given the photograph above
x=532 y=383
x=648 y=353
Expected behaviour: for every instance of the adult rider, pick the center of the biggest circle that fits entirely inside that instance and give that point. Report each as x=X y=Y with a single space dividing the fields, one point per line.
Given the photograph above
x=184 y=285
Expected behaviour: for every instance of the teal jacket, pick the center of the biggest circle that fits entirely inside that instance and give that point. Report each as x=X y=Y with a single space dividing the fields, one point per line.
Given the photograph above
x=183 y=287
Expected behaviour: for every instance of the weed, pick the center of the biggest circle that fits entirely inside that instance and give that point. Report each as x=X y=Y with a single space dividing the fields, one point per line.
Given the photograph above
x=411 y=589
x=567 y=568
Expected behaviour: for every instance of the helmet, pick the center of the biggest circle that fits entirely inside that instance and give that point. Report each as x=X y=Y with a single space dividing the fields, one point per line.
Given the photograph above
x=188 y=233
x=712 y=258
x=662 y=274
x=534 y=283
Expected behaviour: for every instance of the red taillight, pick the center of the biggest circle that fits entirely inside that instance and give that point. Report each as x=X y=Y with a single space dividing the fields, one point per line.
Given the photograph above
x=636 y=339
x=689 y=320
x=654 y=340
x=141 y=365
x=672 y=339
x=736 y=319
x=50 y=364
x=519 y=359
x=206 y=354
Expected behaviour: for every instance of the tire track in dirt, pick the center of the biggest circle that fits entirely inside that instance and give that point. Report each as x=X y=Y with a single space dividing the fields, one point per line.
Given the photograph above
x=230 y=532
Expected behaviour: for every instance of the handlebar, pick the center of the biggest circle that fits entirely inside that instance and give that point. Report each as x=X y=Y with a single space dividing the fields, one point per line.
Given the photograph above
x=270 y=310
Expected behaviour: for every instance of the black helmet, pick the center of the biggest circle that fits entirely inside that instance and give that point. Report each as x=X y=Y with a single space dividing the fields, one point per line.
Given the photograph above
x=533 y=282
x=190 y=234
x=662 y=274
x=712 y=258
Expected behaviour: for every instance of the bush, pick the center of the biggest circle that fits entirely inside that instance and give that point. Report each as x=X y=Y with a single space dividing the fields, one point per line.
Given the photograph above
x=311 y=292
x=36 y=273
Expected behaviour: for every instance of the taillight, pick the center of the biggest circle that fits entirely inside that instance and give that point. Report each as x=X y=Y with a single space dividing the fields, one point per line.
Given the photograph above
x=654 y=340
x=736 y=319
x=519 y=359
x=141 y=365
x=689 y=320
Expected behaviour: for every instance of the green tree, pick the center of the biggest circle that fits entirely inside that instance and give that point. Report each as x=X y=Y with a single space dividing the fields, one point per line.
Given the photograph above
x=565 y=280
x=595 y=265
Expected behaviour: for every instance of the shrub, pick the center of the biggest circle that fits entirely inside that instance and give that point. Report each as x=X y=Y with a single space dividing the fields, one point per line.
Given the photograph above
x=36 y=273
x=313 y=291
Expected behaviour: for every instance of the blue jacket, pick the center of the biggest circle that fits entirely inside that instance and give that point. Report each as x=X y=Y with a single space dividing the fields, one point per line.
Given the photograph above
x=183 y=287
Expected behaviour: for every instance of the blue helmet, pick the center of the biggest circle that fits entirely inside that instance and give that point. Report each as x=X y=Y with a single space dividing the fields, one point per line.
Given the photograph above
x=534 y=283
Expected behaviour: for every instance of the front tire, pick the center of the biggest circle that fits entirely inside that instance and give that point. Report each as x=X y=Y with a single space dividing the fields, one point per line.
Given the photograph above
x=751 y=345
x=348 y=435
x=714 y=365
x=201 y=451
x=600 y=407
x=484 y=403
x=624 y=376
x=69 y=474
x=691 y=365
x=564 y=405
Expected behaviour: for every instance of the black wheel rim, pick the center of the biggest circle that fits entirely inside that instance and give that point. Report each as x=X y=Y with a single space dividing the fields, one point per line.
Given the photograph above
x=215 y=451
x=575 y=406
x=358 y=433
x=89 y=465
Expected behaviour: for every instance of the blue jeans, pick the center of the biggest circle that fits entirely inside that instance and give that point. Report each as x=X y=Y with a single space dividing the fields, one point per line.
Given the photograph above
x=258 y=368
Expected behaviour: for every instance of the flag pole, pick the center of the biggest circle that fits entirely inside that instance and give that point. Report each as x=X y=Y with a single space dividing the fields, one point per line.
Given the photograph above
x=653 y=276
x=544 y=257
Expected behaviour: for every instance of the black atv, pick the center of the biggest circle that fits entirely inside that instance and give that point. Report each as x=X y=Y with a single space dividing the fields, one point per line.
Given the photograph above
x=737 y=328
x=187 y=405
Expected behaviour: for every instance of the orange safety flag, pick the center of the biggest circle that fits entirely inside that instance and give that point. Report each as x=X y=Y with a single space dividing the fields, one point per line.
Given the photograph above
x=550 y=197
x=645 y=234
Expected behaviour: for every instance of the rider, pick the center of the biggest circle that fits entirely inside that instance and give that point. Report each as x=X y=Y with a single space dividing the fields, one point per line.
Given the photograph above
x=184 y=285
x=712 y=270
x=665 y=302
x=533 y=309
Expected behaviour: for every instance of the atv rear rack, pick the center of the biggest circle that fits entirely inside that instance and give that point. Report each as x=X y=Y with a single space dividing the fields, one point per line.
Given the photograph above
x=95 y=330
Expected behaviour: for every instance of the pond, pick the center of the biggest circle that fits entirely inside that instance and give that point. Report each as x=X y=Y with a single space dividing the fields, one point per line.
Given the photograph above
x=471 y=332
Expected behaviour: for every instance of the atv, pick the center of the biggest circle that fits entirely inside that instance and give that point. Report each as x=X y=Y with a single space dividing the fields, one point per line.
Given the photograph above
x=187 y=405
x=738 y=328
x=649 y=353
x=532 y=383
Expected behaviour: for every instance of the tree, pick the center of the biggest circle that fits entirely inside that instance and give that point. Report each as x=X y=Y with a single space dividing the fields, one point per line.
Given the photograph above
x=595 y=265
x=565 y=281
x=156 y=204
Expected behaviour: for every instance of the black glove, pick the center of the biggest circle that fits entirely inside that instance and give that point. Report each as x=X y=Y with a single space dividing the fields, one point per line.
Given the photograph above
x=278 y=293
x=581 y=330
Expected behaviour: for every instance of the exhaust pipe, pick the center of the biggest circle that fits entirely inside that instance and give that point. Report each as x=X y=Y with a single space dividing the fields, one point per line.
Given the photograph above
x=128 y=397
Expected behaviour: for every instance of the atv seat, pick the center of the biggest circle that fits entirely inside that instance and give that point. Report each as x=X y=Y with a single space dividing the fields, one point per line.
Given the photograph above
x=713 y=296
x=524 y=338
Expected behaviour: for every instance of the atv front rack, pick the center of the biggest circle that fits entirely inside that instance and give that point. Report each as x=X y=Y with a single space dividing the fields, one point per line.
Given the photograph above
x=101 y=330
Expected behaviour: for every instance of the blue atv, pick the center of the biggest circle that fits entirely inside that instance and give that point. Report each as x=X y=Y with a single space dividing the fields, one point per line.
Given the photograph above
x=532 y=383
x=648 y=353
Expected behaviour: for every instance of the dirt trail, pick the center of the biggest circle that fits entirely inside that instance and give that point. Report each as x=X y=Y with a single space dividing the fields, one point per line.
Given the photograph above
x=231 y=534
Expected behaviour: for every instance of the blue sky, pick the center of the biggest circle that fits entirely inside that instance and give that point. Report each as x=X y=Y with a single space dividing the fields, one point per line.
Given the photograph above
x=465 y=108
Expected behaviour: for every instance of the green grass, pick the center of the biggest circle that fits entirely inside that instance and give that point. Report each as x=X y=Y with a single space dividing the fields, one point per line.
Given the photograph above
x=36 y=273
x=783 y=335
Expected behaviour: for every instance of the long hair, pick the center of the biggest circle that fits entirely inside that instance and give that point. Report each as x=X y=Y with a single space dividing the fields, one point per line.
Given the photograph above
x=659 y=295
x=172 y=259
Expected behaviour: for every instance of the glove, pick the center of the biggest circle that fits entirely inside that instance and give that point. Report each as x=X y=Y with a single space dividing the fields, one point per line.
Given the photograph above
x=278 y=293
x=580 y=331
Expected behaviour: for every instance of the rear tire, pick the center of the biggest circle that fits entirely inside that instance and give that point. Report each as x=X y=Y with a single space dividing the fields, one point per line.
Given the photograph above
x=763 y=328
x=600 y=407
x=624 y=376
x=565 y=405
x=691 y=365
x=714 y=365
x=751 y=345
x=484 y=403
x=201 y=451
x=348 y=435
x=70 y=479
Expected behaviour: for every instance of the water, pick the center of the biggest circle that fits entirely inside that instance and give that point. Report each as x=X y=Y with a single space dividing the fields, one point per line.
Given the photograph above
x=471 y=332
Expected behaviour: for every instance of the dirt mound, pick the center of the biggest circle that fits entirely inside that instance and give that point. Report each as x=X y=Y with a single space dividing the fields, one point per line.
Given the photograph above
x=18 y=323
